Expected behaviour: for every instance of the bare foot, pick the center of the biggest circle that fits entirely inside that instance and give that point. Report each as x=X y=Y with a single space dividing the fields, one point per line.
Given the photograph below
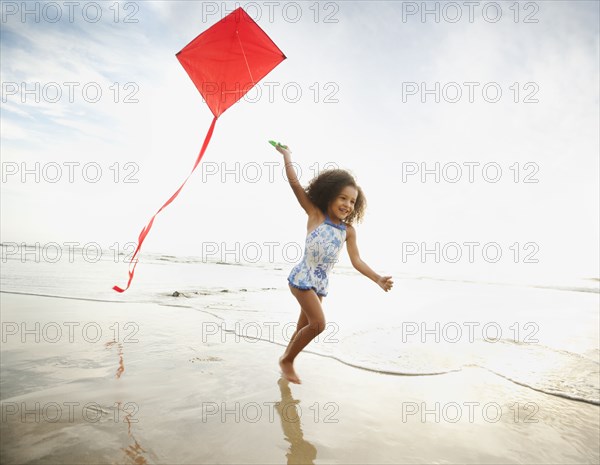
x=287 y=370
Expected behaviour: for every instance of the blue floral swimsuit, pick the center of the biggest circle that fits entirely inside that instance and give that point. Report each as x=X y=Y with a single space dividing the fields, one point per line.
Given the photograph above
x=323 y=246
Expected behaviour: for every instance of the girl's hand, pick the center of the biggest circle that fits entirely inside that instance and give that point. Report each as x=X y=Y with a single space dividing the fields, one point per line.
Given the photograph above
x=283 y=151
x=385 y=283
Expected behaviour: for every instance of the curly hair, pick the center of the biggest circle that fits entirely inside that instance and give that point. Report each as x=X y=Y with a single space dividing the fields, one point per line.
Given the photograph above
x=326 y=187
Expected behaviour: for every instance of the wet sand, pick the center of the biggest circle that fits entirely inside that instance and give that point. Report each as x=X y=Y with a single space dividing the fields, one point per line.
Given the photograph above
x=91 y=382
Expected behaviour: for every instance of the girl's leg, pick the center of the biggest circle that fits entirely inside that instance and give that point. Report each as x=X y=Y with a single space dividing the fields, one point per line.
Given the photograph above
x=302 y=322
x=311 y=307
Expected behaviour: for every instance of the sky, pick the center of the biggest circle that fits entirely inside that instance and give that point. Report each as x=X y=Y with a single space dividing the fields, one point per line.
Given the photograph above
x=471 y=128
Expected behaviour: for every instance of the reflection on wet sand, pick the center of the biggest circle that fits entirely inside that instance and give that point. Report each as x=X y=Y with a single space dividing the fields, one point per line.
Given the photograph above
x=121 y=366
x=300 y=451
x=134 y=452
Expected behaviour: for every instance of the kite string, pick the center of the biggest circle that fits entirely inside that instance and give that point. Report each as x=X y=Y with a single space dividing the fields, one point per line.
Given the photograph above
x=147 y=228
x=237 y=33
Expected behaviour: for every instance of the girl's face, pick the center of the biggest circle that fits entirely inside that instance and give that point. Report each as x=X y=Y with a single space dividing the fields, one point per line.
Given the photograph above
x=342 y=205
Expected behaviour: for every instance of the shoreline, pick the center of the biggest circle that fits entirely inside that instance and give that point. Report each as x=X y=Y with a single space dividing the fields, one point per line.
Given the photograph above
x=228 y=398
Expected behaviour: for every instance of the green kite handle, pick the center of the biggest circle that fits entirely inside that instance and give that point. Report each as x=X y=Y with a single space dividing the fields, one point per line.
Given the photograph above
x=277 y=144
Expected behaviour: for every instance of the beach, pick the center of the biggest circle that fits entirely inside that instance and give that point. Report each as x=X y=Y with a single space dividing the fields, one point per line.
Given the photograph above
x=175 y=380
x=453 y=147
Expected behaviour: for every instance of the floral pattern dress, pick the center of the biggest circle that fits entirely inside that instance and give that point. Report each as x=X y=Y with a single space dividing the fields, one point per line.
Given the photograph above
x=323 y=246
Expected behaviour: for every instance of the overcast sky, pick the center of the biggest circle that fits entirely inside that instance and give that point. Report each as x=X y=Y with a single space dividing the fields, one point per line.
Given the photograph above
x=87 y=88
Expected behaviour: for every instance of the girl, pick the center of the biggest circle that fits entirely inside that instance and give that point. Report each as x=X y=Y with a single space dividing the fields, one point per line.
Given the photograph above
x=332 y=202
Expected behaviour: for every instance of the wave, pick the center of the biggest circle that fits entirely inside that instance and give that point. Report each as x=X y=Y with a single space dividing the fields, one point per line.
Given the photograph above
x=586 y=284
x=576 y=387
x=393 y=372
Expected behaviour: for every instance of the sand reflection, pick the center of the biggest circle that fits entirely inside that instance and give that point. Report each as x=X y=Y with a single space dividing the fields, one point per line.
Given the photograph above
x=121 y=364
x=300 y=450
x=134 y=452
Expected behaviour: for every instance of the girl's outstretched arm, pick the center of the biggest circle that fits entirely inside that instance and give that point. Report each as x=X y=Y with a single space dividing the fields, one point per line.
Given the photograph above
x=305 y=202
x=385 y=282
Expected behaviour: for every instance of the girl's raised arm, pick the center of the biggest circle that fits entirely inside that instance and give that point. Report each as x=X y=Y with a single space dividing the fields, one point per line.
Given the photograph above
x=303 y=199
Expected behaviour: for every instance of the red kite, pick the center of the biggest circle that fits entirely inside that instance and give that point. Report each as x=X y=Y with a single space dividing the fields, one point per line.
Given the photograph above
x=224 y=62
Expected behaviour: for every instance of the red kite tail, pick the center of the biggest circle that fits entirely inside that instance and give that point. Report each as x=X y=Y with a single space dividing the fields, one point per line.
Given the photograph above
x=147 y=228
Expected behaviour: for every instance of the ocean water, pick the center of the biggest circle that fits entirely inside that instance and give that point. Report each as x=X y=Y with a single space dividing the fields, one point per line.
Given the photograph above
x=541 y=335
